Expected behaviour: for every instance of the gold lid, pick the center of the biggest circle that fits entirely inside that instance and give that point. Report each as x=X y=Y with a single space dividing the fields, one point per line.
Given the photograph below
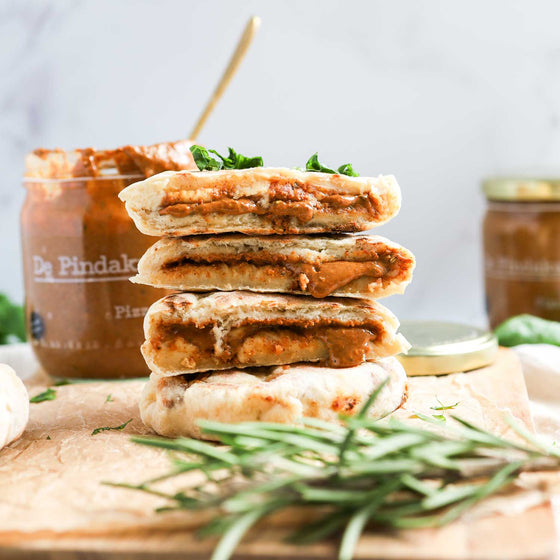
x=439 y=347
x=522 y=188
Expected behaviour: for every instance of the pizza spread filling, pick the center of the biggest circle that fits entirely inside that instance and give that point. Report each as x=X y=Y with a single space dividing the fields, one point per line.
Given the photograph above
x=323 y=279
x=346 y=346
x=318 y=280
x=283 y=200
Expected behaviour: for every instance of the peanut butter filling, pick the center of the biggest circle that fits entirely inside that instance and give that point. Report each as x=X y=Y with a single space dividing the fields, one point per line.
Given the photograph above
x=318 y=280
x=202 y=338
x=347 y=346
x=323 y=279
x=287 y=200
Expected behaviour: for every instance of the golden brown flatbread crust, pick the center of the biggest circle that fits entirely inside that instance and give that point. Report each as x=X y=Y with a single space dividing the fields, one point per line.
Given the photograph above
x=172 y=406
x=189 y=333
x=259 y=201
x=340 y=265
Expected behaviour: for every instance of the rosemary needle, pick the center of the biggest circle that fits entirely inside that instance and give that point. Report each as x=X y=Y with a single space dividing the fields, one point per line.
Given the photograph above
x=362 y=472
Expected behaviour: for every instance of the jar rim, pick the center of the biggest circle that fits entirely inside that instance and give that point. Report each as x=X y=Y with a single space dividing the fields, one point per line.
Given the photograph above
x=522 y=188
x=523 y=205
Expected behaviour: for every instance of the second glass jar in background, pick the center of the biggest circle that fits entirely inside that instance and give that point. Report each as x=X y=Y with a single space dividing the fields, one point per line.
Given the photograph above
x=521 y=240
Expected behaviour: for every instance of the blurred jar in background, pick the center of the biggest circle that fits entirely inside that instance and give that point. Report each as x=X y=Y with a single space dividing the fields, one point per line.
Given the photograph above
x=84 y=317
x=521 y=239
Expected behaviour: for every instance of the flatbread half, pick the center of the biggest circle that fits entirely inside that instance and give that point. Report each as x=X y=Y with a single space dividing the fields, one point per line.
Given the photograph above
x=190 y=333
x=259 y=201
x=172 y=406
x=340 y=265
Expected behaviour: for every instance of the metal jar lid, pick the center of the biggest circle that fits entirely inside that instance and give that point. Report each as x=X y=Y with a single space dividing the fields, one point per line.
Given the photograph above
x=520 y=188
x=439 y=348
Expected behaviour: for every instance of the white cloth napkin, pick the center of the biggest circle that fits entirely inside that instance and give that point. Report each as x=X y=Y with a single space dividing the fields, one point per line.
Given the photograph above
x=541 y=368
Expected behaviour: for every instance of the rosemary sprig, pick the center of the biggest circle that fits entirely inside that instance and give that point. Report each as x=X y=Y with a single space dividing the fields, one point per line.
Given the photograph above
x=363 y=472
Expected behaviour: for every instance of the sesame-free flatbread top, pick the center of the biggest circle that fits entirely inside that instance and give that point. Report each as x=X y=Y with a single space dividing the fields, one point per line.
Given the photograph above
x=259 y=200
x=364 y=266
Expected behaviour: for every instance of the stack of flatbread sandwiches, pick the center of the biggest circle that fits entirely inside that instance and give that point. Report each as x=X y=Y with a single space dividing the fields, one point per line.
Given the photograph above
x=273 y=313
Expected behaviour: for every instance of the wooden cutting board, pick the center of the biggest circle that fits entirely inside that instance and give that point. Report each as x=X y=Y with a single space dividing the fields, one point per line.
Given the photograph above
x=53 y=505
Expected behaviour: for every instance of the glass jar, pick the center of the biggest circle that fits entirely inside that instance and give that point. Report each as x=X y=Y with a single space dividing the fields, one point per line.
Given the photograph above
x=84 y=317
x=521 y=239
x=439 y=348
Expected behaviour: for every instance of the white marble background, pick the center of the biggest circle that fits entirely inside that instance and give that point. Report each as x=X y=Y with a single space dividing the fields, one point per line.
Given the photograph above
x=438 y=93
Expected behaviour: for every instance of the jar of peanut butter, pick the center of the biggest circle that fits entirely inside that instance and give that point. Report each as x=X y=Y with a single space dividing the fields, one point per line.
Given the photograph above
x=521 y=238
x=84 y=317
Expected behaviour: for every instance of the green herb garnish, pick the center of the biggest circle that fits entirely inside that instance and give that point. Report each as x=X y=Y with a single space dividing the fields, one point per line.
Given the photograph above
x=205 y=162
x=347 y=169
x=313 y=164
x=387 y=473
x=108 y=428
x=62 y=382
x=12 y=321
x=109 y=399
x=434 y=418
x=528 y=329
x=442 y=406
x=48 y=395
x=48 y=437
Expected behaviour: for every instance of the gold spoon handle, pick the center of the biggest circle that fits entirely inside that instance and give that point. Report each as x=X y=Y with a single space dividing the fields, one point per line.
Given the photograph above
x=242 y=46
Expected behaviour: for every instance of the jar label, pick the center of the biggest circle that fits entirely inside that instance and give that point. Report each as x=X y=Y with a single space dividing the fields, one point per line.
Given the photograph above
x=84 y=315
x=72 y=269
x=521 y=269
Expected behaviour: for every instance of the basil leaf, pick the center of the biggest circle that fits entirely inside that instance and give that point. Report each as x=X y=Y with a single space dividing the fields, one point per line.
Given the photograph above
x=205 y=162
x=527 y=329
x=347 y=169
x=238 y=161
x=313 y=164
